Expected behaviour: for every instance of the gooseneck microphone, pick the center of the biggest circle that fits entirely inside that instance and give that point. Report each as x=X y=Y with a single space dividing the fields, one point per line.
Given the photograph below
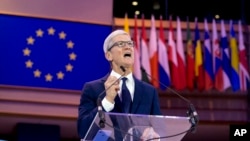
x=99 y=100
x=194 y=118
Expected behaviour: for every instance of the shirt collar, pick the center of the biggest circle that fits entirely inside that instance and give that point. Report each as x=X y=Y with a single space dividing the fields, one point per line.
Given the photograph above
x=129 y=76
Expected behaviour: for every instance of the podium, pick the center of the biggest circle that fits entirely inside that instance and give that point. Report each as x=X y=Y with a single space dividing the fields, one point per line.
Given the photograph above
x=131 y=127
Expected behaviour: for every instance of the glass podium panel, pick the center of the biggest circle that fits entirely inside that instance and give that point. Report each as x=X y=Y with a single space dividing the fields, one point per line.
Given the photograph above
x=135 y=127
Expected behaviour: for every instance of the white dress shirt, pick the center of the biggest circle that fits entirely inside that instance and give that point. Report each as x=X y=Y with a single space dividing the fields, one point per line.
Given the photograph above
x=130 y=83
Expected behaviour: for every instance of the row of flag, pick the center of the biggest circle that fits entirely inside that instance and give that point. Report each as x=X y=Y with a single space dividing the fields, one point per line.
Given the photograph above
x=216 y=62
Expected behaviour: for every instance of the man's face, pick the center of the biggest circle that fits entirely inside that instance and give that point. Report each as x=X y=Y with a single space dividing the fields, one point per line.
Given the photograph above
x=122 y=51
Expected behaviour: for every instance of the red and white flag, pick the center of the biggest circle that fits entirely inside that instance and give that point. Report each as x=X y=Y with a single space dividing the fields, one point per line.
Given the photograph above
x=180 y=58
x=153 y=53
x=145 y=60
x=173 y=57
x=137 y=64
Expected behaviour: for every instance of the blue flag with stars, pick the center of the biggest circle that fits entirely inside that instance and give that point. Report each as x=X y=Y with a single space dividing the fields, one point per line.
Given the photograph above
x=37 y=52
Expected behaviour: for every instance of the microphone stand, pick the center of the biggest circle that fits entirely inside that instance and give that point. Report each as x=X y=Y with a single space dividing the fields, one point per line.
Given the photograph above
x=194 y=118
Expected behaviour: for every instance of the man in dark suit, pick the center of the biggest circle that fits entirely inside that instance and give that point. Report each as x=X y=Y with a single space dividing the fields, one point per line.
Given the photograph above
x=142 y=97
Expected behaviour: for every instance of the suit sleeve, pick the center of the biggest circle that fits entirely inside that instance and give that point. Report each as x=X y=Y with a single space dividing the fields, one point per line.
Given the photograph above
x=87 y=109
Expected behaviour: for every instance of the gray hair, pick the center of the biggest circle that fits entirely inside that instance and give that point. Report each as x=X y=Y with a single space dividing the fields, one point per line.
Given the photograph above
x=108 y=42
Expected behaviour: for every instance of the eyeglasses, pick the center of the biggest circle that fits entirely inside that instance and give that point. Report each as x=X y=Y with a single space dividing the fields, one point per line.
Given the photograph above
x=122 y=44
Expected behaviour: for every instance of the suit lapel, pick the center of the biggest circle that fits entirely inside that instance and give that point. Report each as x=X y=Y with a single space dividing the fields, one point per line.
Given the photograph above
x=137 y=96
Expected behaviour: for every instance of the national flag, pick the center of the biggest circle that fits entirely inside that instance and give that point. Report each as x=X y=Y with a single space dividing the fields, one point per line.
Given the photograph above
x=190 y=60
x=199 y=68
x=48 y=53
x=180 y=58
x=137 y=63
x=126 y=23
x=153 y=53
x=145 y=60
x=173 y=63
x=235 y=80
x=208 y=65
x=164 y=73
x=243 y=66
x=217 y=59
x=225 y=58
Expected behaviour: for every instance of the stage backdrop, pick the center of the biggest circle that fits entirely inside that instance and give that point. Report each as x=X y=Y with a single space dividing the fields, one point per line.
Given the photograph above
x=49 y=53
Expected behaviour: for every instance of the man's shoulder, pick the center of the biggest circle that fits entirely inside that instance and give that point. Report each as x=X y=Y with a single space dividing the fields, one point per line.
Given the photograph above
x=94 y=84
x=96 y=81
x=144 y=84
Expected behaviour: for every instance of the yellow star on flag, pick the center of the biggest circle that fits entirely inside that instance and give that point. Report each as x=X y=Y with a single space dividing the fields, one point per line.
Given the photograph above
x=30 y=40
x=70 y=44
x=26 y=52
x=29 y=64
x=62 y=35
x=60 y=75
x=48 y=77
x=51 y=31
x=69 y=67
x=72 y=56
x=39 y=33
x=37 y=73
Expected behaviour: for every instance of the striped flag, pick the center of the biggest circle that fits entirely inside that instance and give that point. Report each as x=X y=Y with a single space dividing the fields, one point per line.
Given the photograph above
x=153 y=53
x=199 y=68
x=209 y=75
x=173 y=63
x=235 y=80
x=145 y=61
x=217 y=59
x=225 y=58
x=137 y=63
x=243 y=66
x=164 y=73
x=190 y=60
x=180 y=58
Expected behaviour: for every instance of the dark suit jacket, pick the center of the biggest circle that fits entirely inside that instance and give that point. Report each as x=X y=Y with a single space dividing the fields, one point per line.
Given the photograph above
x=145 y=102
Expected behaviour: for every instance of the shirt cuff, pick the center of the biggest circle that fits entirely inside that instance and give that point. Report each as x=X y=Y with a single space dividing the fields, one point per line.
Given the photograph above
x=108 y=106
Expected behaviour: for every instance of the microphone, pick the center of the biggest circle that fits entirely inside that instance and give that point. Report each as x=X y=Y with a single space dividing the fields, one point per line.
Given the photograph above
x=194 y=118
x=99 y=100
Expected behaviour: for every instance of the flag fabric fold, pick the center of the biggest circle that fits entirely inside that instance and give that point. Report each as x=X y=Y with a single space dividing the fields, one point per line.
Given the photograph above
x=190 y=73
x=180 y=57
x=225 y=58
x=217 y=59
x=199 y=68
x=153 y=53
x=164 y=73
x=137 y=63
x=126 y=24
x=208 y=66
x=234 y=59
x=145 y=60
x=173 y=63
x=243 y=64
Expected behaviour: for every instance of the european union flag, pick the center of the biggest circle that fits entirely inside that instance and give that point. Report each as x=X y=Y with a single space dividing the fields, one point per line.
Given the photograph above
x=50 y=53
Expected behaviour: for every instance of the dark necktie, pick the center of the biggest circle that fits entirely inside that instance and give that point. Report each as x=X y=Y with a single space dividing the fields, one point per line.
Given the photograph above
x=126 y=97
